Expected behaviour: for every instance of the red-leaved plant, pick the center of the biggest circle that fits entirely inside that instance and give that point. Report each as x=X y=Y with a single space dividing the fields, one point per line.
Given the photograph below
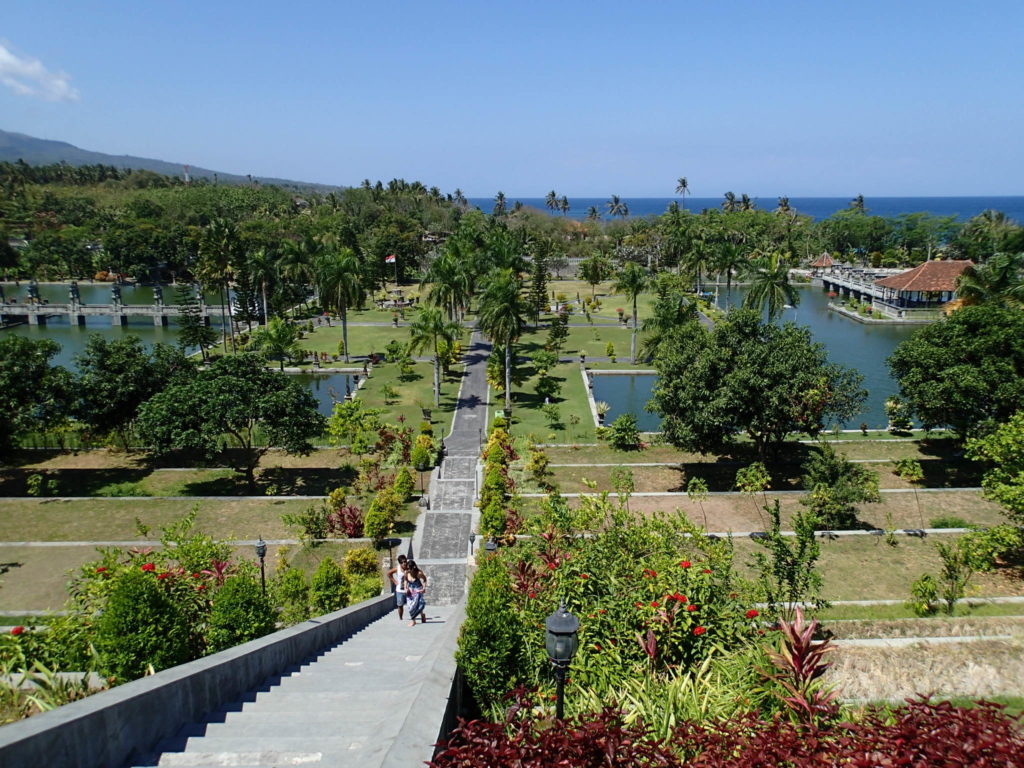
x=799 y=664
x=346 y=521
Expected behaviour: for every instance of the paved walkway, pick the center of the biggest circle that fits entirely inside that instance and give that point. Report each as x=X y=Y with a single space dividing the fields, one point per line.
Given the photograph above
x=374 y=699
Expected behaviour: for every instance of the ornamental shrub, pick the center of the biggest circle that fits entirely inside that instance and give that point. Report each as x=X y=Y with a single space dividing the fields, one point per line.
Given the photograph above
x=493 y=519
x=363 y=588
x=291 y=591
x=328 y=589
x=361 y=562
x=404 y=484
x=490 y=648
x=312 y=523
x=384 y=511
x=239 y=612
x=422 y=456
x=142 y=626
x=624 y=433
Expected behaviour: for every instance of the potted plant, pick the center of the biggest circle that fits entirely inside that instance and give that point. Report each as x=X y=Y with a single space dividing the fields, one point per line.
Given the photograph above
x=602 y=409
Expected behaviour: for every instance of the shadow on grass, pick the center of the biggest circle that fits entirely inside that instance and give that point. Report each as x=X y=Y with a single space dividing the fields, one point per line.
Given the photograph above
x=73 y=482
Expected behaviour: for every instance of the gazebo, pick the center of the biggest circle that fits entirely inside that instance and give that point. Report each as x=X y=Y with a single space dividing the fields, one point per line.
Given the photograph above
x=921 y=291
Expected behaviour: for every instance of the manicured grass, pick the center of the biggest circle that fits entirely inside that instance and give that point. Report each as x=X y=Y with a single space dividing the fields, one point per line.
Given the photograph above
x=362 y=340
x=413 y=395
x=529 y=418
x=593 y=341
x=866 y=568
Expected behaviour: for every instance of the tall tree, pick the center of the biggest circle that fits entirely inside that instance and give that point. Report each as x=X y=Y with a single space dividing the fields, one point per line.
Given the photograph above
x=427 y=331
x=551 y=201
x=262 y=269
x=33 y=393
x=631 y=282
x=218 y=252
x=501 y=317
x=594 y=270
x=340 y=284
x=748 y=377
x=500 y=204
x=997 y=281
x=239 y=397
x=770 y=287
x=729 y=204
x=682 y=188
x=563 y=205
x=537 y=301
x=449 y=279
x=616 y=207
x=593 y=214
x=192 y=328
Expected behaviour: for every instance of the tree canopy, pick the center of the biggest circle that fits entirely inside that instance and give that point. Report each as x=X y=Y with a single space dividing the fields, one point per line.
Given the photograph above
x=33 y=394
x=238 y=398
x=965 y=372
x=748 y=377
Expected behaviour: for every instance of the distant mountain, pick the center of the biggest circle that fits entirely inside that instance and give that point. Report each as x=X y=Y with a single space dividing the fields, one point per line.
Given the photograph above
x=15 y=146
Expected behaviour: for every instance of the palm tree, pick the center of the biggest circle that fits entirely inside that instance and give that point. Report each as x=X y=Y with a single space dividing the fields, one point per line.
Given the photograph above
x=617 y=208
x=459 y=198
x=279 y=339
x=731 y=260
x=998 y=281
x=770 y=286
x=683 y=188
x=426 y=332
x=563 y=205
x=297 y=260
x=857 y=204
x=449 y=281
x=746 y=204
x=593 y=214
x=670 y=312
x=502 y=313
x=500 y=204
x=551 y=201
x=783 y=207
x=631 y=282
x=262 y=269
x=218 y=249
x=339 y=281
x=729 y=204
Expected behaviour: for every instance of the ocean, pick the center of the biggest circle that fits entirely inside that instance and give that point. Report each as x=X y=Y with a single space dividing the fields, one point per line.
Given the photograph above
x=816 y=207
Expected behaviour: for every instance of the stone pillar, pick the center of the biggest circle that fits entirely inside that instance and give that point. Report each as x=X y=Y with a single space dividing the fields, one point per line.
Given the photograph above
x=160 y=320
x=34 y=319
x=119 y=318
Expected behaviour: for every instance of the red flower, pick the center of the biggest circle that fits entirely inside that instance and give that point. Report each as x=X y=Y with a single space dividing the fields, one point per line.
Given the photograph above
x=603 y=611
x=639 y=605
x=197 y=575
x=691 y=608
x=148 y=567
x=201 y=586
x=679 y=598
x=532 y=595
x=752 y=613
x=760 y=632
x=684 y=564
x=163 y=575
x=699 y=630
x=101 y=569
x=552 y=697
x=552 y=566
x=17 y=630
x=654 y=603
x=707 y=570
x=584 y=576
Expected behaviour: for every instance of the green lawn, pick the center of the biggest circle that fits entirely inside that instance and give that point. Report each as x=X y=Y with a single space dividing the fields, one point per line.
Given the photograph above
x=529 y=418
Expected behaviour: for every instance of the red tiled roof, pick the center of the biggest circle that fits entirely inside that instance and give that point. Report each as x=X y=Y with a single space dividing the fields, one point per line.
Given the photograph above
x=932 y=276
x=825 y=260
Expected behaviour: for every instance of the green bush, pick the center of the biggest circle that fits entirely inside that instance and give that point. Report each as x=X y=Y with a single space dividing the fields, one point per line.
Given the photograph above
x=142 y=626
x=361 y=562
x=239 y=612
x=924 y=595
x=426 y=428
x=385 y=509
x=291 y=591
x=404 y=484
x=500 y=422
x=490 y=650
x=949 y=521
x=422 y=456
x=363 y=588
x=312 y=523
x=493 y=519
x=624 y=433
x=328 y=589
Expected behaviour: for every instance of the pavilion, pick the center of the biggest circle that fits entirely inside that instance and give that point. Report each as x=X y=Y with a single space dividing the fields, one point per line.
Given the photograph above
x=920 y=292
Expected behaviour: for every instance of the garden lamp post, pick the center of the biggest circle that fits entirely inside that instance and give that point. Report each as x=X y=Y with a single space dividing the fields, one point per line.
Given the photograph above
x=261 y=553
x=561 y=643
x=472 y=541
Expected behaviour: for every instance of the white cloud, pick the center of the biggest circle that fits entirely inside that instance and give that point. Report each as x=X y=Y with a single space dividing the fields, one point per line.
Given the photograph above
x=28 y=77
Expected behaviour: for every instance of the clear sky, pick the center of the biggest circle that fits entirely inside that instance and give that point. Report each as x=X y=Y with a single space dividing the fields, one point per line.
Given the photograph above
x=820 y=97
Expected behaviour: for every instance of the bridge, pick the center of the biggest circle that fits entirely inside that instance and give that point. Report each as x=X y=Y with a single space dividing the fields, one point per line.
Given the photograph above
x=38 y=312
x=855 y=281
x=352 y=688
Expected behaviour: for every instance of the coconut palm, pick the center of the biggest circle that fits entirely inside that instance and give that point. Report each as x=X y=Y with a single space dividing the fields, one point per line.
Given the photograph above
x=427 y=332
x=616 y=207
x=631 y=282
x=670 y=312
x=996 y=281
x=449 y=281
x=297 y=260
x=339 y=282
x=683 y=188
x=262 y=269
x=746 y=204
x=460 y=198
x=500 y=204
x=770 y=287
x=729 y=204
x=563 y=205
x=218 y=251
x=593 y=214
x=502 y=312
x=731 y=260
x=278 y=339
x=783 y=207
x=551 y=201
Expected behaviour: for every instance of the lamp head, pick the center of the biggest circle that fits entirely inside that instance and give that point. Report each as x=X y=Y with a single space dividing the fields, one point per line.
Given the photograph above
x=560 y=639
x=261 y=548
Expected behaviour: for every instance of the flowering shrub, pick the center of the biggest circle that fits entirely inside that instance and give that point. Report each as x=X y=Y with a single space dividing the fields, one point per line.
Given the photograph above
x=239 y=612
x=921 y=734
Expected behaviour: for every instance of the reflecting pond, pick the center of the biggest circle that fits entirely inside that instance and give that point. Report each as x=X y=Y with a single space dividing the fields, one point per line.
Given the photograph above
x=627 y=393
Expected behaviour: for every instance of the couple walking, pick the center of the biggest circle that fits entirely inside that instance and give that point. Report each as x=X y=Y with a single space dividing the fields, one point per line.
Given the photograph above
x=409 y=584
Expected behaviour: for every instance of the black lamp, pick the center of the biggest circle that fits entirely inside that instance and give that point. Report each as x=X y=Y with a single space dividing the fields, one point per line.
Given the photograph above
x=261 y=553
x=472 y=541
x=491 y=546
x=561 y=643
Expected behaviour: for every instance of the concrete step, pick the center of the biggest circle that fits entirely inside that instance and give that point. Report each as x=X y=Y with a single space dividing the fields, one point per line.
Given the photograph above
x=261 y=726
x=325 y=745
x=248 y=759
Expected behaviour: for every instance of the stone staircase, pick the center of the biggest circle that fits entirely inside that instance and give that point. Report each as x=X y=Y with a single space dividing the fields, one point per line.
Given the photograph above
x=350 y=705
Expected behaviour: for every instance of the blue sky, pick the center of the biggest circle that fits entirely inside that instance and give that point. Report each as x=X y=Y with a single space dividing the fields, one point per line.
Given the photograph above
x=589 y=98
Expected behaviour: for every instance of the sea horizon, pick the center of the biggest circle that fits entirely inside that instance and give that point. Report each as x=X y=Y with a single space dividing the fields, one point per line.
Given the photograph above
x=962 y=206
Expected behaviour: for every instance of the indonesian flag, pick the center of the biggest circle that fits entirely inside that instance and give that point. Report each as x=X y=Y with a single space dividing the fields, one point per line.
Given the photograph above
x=389 y=259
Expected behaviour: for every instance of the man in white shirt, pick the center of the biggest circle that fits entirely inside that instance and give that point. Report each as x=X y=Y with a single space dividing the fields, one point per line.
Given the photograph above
x=395 y=576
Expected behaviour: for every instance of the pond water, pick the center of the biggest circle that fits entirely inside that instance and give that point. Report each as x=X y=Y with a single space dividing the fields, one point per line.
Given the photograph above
x=856 y=345
x=327 y=388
